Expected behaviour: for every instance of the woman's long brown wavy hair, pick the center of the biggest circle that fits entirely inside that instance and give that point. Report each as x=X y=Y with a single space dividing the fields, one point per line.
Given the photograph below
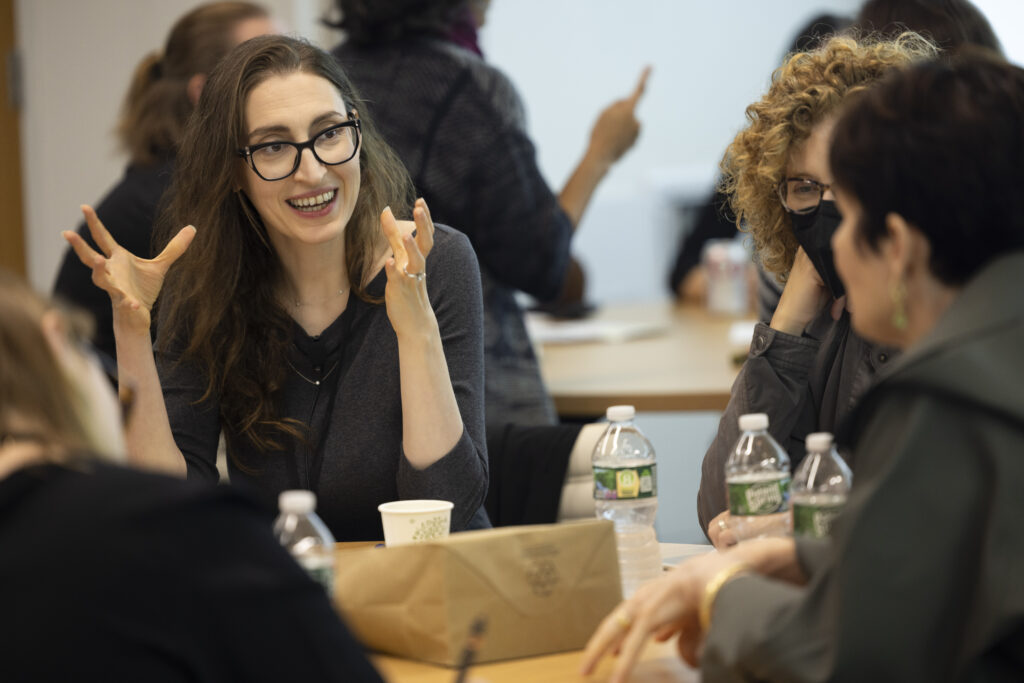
x=805 y=90
x=157 y=106
x=218 y=304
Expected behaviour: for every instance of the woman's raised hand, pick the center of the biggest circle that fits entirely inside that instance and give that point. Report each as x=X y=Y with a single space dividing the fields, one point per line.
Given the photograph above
x=133 y=283
x=406 y=293
x=803 y=297
x=617 y=127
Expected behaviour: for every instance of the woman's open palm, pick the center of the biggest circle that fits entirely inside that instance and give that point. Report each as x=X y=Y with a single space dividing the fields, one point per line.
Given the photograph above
x=133 y=283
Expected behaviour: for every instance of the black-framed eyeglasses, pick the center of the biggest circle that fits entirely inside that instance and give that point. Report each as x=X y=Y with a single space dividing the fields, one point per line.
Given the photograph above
x=279 y=159
x=801 y=195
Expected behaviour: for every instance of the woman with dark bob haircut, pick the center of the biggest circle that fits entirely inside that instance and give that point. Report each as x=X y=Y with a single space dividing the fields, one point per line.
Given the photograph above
x=299 y=323
x=921 y=578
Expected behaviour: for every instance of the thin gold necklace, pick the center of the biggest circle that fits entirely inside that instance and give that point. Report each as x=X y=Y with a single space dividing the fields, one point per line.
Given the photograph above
x=299 y=304
x=315 y=383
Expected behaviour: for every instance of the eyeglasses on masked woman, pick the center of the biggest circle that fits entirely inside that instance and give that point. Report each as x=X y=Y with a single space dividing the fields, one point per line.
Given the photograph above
x=801 y=195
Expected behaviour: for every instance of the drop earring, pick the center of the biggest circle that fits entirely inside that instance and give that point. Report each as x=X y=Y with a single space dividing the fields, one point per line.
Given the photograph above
x=898 y=294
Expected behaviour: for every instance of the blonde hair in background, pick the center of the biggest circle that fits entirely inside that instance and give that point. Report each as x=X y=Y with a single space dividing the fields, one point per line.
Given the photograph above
x=805 y=90
x=157 y=105
x=36 y=395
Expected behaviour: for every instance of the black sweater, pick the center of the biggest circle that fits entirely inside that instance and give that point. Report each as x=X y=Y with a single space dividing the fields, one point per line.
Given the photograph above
x=111 y=574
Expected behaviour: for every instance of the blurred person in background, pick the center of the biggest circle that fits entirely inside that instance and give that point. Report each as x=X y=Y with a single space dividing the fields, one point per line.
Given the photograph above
x=164 y=90
x=459 y=126
x=133 y=576
x=921 y=578
x=950 y=24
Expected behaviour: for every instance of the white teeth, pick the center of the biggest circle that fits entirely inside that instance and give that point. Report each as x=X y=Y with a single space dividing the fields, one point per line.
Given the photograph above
x=313 y=203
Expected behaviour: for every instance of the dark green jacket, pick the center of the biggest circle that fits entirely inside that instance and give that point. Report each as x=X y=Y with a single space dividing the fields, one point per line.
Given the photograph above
x=924 y=577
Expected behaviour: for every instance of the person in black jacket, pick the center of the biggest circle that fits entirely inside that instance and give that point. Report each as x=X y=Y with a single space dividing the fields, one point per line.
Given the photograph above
x=164 y=89
x=124 y=575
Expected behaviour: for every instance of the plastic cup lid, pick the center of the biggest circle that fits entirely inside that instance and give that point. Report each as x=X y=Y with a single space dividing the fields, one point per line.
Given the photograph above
x=297 y=501
x=819 y=441
x=620 y=413
x=753 y=422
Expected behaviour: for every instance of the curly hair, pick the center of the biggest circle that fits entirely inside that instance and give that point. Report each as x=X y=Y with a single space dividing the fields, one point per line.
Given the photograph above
x=805 y=90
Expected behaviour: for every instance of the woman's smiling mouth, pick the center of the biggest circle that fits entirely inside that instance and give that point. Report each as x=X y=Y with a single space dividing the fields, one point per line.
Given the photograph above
x=313 y=204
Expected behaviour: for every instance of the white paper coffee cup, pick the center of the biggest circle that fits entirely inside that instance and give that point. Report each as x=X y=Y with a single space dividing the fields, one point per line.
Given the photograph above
x=415 y=521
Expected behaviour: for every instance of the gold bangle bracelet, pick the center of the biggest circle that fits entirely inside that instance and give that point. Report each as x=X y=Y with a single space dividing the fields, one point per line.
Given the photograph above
x=711 y=591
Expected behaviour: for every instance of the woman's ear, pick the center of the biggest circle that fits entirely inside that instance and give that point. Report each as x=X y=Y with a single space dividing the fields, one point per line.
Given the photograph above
x=898 y=247
x=194 y=88
x=56 y=334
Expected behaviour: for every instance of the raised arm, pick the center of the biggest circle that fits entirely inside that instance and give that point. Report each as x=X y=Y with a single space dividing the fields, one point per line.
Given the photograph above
x=431 y=424
x=440 y=348
x=133 y=285
x=613 y=134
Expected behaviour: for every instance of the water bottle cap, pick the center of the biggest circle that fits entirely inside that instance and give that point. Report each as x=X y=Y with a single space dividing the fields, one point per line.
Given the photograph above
x=818 y=442
x=297 y=502
x=620 y=413
x=753 y=422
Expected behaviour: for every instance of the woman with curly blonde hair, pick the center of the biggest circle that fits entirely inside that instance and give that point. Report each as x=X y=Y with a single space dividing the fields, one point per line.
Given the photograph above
x=806 y=368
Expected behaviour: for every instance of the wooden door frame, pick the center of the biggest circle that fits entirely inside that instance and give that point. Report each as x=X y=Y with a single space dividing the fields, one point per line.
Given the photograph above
x=12 y=219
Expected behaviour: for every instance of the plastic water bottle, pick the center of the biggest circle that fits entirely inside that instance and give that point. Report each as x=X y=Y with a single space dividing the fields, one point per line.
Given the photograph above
x=305 y=536
x=820 y=487
x=757 y=482
x=626 y=492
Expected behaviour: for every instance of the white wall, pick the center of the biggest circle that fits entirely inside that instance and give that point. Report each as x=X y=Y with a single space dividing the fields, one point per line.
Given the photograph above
x=1006 y=17
x=78 y=57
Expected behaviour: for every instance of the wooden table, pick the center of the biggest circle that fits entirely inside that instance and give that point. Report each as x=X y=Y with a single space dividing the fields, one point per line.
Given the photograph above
x=660 y=662
x=687 y=366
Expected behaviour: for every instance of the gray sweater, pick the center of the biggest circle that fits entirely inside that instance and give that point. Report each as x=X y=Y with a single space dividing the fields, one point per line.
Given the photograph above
x=356 y=409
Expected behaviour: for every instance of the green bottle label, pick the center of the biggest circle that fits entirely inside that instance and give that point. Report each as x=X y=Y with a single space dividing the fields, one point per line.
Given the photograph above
x=618 y=483
x=321 y=570
x=814 y=521
x=758 y=496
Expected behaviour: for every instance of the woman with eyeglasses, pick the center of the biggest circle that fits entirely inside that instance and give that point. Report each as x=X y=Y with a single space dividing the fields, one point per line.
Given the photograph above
x=806 y=367
x=336 y=348
x=113 y=574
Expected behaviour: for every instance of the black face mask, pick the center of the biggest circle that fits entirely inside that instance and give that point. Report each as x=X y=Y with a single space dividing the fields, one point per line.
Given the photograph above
x=813 y=232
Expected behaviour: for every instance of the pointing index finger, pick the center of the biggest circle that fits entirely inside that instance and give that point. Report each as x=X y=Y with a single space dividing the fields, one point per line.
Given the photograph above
x=641 y=85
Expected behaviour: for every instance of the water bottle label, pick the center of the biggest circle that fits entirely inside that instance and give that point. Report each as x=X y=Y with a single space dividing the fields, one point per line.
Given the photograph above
x=814 y=521
x=763 y=497
x=320 y=570
x=617 y=483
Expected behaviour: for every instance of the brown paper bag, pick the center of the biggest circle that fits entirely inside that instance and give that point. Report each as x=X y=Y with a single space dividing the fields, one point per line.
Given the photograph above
x=542 y=589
